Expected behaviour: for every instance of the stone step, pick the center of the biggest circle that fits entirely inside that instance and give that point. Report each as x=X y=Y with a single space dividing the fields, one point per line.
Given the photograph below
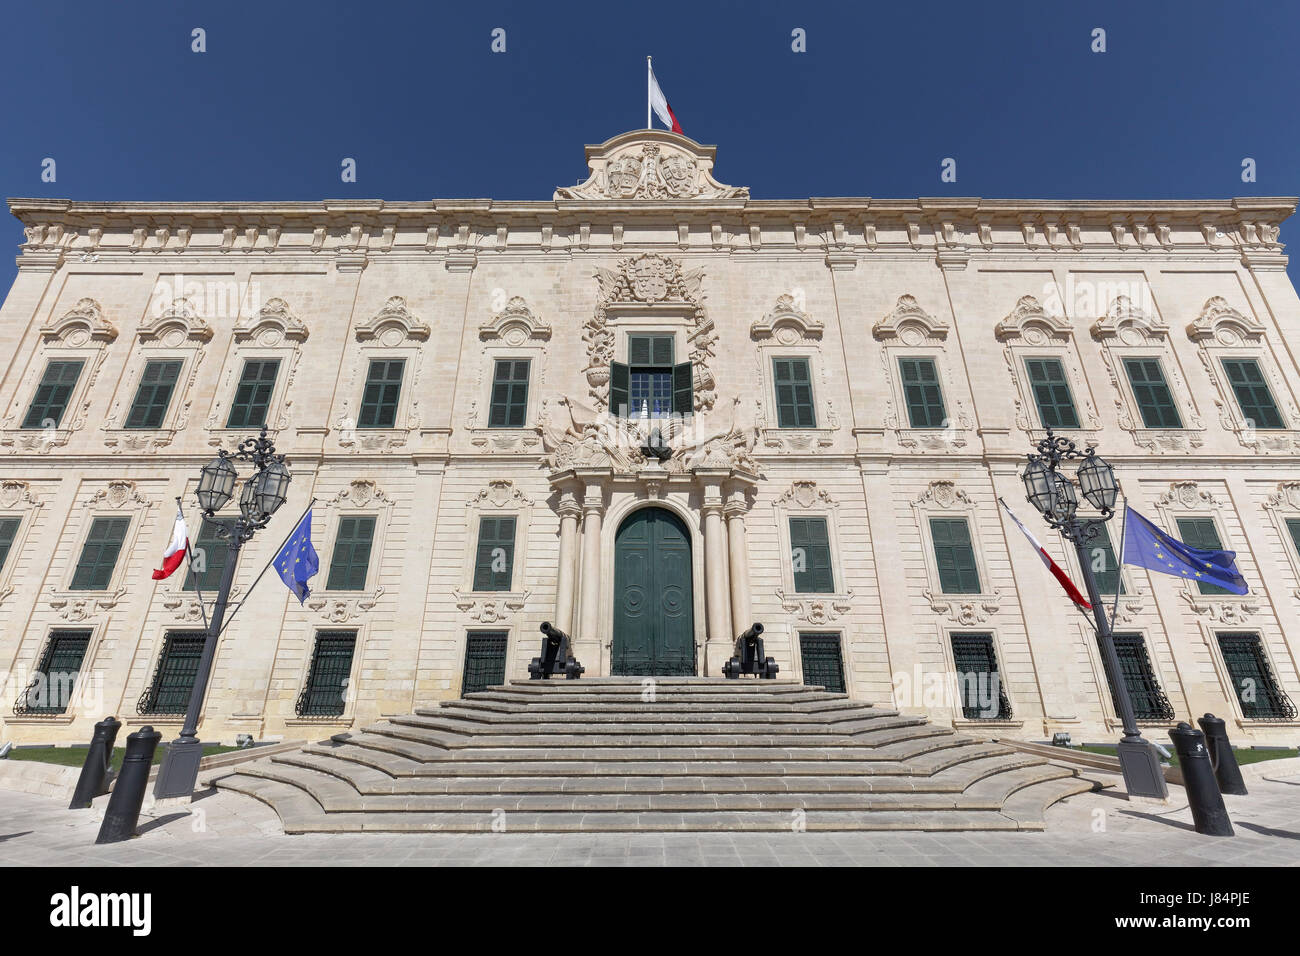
x=475 y=720
x=505 y=703
x=646 y=726
x=663 y=695
x=685 y=685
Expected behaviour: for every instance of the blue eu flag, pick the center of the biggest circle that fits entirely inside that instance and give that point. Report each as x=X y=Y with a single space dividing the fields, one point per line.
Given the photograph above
x=297 y=560
x=1147 y=546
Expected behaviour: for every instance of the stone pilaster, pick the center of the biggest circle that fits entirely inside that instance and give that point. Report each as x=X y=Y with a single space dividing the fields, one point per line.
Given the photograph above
x=586 y=638
x=742 y=612
x=566 y=574
x=719 y=636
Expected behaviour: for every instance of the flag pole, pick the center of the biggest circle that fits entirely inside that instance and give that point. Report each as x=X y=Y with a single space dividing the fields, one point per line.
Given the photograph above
x=189 y=562
x=649 y=78
x=1119 y=577
x=274 y=554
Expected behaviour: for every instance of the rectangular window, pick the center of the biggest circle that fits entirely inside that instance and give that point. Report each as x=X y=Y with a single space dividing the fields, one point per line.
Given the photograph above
x=823 y=662
x=1105 y=566
x=922 y=393
x=955 y=556
x=509 y=394
x=327 y=679
x=1293 y=526
x=56 y=674
x=1252 y=679
x=485 y=661
x=173 y=681
x=8 y=532
x=1154 y=400
x=495 y=557
x=983 y=696
x=810 y=556
x=153 y=394
x=794 y=400
x=99 y=554
x=1253 y=395
x=650 y=385
x=253 y=395
x=214 y=552
x=1149 y=701
x=383 y=387
x=1201 y=533
x=53 y=394
x=351 y=561
x=1051 y=393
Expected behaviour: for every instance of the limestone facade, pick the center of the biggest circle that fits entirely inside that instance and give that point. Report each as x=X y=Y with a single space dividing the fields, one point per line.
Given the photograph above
x=650 y=243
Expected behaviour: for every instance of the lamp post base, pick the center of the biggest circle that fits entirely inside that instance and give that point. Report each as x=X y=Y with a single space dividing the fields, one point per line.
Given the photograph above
x=1140 y=764
x=180 y=769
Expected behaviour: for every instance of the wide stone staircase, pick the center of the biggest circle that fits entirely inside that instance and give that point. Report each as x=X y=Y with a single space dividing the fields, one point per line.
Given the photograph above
x=617 y=754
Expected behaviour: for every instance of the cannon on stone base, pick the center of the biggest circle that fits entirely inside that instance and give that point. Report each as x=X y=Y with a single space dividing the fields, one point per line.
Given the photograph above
x=749 y=658
x=556 y=657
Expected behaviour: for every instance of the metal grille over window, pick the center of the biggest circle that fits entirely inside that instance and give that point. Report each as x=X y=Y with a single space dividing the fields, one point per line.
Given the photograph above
x=485 y=661
x=823 y=663
x=56 y=675
x=325 y=694
x=979 y=684
x=1149 y=701
x=173 y=680
x=1252 y=679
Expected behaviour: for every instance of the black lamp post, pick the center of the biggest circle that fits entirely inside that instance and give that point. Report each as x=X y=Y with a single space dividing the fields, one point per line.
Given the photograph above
x=1056 y=498
x=261 y=496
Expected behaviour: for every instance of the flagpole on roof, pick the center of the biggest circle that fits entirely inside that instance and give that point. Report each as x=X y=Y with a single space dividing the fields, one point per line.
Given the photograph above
x=274 y=554
x=649 y=78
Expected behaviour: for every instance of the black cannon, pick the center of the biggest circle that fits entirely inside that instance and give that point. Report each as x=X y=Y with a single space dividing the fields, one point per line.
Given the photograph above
x=749 y=657
x=557 y=656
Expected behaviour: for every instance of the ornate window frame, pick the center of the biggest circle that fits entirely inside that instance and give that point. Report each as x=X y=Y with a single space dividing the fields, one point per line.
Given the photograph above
x=1282 y=504
x=392 y=332
x=788 y=332
x=516 y=332
x=1221 y=332
x=177 y=333
x=1030 y=332
x=943 y=499
x=1128 y=331
x=17 y=501
x=908 y=331
x=1186 y=499
x=83 y=332
x=500 y=497
x=121 y=498
x=804 y=499
x=273 y=332
x=959 y=718
x=363 y=498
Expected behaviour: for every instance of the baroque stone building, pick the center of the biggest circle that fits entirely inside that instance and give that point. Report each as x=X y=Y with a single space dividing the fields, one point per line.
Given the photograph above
x=651 y=410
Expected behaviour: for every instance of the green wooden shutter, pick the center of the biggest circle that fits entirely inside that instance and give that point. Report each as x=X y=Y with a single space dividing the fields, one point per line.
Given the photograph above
x=351 y=561
x=1152 y=394
x=99 y=554
x=1252 y=393
x=1103 y=551
x=955 y=556
x=619 y=399
x=8 y=532
x=509 y=394
x=53 y=393
x=1051 y=393
x=323 y=695
x=153 y=394
x=253 y=395
x=794 y=402
x=1293 y=526
x=683 y=389
x=810 y=550
x=216 y=551
x=1201 y=533
x=383 y=388
x=494 y=534
x=925 y=408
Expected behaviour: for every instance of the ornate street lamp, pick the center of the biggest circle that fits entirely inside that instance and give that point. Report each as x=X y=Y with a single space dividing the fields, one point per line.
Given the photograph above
x=1054 y=495
x=260 y=497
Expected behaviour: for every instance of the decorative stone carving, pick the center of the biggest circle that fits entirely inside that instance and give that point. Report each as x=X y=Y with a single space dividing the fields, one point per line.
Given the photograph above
x=500 y=493
x=964 y=610
x=1220 y=610
x=340 y=610
x=1031 y=324
x=651 y=164
x=177 y=325
x=272 y=324
x=806 y=494
x=787 y=324
x=489 y=610
x=84 y=323
x=515 y=325
x=910 y=323
x=119 y=494
x=1287 y=495
x=945 y=494
x=1130 y=324
x=15 y=493
x=361 y=492
x=78 y=606
x=1221 y=324
x=1189 y=496
x=823 y=609
x=393 y=325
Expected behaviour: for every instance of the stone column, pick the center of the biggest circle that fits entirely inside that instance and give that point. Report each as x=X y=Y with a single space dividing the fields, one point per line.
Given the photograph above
x=720 y=639
x=567 y=572
x=587 y=635
x=742 y=612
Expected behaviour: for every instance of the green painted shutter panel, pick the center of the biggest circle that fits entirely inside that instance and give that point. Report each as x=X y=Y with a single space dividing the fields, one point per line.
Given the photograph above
x=496 y=537
x=351 y=560
x=8 y=532
x=1152 y=393
x=53 y=394
x=509 y=394
x=59 y=667
x=1252 y=393
x=327 y=680
x=978 y=679
x=173 y=681
x=1051 y=393
x=253 y=394
x=99 y=554
x=794 y=403
x=485 y=661
x=955 y=556
x=1257 y=690
x=216 y=551
x=925 y=408
x=1103 y=551
x=1201 y=533
x=822 y=659
x=383 y=388
x=619 y=399
x=683 y=389
x=638 y=350
x=1293 y=526
x=153 y=394
x=810 y=550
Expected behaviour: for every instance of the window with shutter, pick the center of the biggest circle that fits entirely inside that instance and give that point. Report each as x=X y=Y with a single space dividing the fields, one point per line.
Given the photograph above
x=53 y=394
x=8 y=532
x=922 y=393
x=383 y=388
x=1105 y=565
x=1253 y=395
x=494 y=557
x=794 y=399
x=153 y=394
x=650 y=385
x=253 y=394
x=351 y=561
x=99 y=554
x=215 y=552
x=1155 y=402
x=810 y=556
x=1201 y=533
x=1051 y=393
x=509 y=394
x=1293 y=526
x=955 y=556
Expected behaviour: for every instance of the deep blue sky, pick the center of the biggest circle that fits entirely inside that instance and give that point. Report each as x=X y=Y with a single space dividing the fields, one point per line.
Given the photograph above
x=113 y=93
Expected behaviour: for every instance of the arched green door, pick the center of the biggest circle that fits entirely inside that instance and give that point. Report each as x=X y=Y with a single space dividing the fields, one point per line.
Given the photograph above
x=654 y=608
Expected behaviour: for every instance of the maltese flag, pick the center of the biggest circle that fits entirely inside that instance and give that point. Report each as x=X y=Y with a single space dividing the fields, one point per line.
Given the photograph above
x=176 y=549
x=660 y=103
x=1052 y=566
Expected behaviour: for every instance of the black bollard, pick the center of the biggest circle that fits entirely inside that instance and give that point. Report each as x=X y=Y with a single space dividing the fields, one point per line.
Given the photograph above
x=1222 y=758
x=1208 y=812
x=93 y=781
x=128 y=794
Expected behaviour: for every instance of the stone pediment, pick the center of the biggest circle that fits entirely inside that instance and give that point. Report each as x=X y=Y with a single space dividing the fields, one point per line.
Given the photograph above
x=651 y=164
